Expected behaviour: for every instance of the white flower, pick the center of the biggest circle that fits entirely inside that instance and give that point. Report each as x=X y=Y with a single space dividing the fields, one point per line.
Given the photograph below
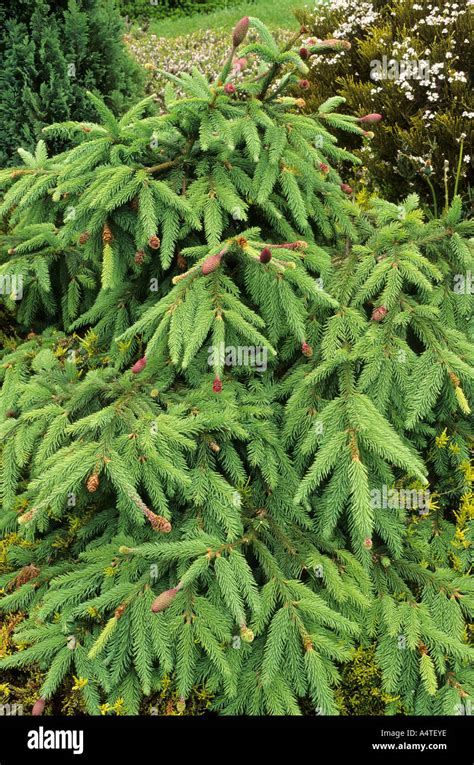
x=466 y=158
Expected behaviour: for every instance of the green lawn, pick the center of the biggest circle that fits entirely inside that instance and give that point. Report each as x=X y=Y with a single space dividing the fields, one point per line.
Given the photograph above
x=274 y=13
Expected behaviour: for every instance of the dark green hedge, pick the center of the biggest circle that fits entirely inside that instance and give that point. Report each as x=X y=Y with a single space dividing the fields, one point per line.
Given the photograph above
x=50 y=54
x=138 y=10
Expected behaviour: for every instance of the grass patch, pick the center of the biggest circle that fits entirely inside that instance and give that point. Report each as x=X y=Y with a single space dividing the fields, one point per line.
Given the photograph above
x=274 y=13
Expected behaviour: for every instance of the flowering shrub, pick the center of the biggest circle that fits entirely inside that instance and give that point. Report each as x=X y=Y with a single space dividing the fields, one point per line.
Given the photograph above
x=409 y=62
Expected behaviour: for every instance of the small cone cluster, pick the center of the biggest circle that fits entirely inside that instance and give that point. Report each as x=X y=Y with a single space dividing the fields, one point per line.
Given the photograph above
x=38 y=707
x=165 y=599
x=28 y=516
x=246 y=634
x=240 y=31
x=107 y=235
x=211 y=263
x=368 y=119
x=154 y=242
x=217 y=384
x=120 y=611
x=92 y=483
x=26 y=574
x=139 y=365
x=306 y=349
x=379 y=313
x=158 y=522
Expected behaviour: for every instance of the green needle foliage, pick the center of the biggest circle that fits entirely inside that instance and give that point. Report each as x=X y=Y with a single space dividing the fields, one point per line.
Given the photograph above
x=211 y=514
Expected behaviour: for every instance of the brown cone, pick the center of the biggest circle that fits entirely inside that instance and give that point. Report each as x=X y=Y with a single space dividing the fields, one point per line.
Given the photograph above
x=92 y=483
x=107 y=235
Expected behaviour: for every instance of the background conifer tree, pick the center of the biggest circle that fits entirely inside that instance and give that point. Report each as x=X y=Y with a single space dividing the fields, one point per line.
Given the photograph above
x=191 y=515
x=44 y=76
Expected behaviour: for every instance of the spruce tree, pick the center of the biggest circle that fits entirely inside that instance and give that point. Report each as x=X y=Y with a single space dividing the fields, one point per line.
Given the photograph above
x=225 y=364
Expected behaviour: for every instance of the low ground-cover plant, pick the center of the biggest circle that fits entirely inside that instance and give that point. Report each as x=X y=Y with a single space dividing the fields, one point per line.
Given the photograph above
x=204 y=49
x=221 y=449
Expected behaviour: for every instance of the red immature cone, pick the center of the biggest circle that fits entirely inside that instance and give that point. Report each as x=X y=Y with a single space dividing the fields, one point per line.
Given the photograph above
x=368 y=543
x=304 y=53
x=346 y=188
x=239 y=64
x=229 y=88
x=240 y=31
x=304 y=84
x=379 y=313
x=217 y=384
x=211 y=263
x=306 y=349
x=165 y=599
x=139 y=366
x=334 y=43
x=323 y=167
x=369 y=118
x=368 y=133
x=154 y=242
x=139 y=255
x=265 y=255
x=38 y=707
